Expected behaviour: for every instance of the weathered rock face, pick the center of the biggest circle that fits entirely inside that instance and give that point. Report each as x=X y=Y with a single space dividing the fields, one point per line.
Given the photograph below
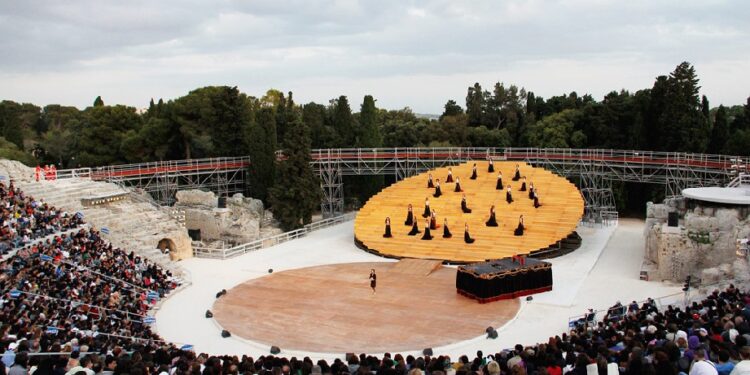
x=704 y=245
x=197 y=198
x=239 y=222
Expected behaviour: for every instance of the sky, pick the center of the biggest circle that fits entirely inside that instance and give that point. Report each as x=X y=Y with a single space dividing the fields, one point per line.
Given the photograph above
x=416 y=54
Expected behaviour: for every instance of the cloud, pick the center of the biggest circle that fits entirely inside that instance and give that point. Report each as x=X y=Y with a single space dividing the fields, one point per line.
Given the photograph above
x=406 y=53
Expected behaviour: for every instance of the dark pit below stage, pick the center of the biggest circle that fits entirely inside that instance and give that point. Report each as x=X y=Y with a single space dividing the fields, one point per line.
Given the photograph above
x=332 y=308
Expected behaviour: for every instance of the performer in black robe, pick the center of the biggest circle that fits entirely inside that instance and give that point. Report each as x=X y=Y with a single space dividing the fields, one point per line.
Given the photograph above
x=446 y=232
x=536 y=200
x=426 y=235
x=523 y=185
x=519 y=228
x=409 y=216
x=517 y=175
x=531 y=190
x=430 y=185
x=433 y=220
x=467 y=237
x=499 y=185
x=438 y=192
x=491 y=167
x=464 y=207
x=387 y=228
x=414 y=229
x=426 y=212
x=373 y=280
x=458 y=185
x=492 y=222
x=449 y=179
x=508 y=195
x=474 y=172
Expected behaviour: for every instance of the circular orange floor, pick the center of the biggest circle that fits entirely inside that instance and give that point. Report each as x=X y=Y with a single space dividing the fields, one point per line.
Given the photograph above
x=332 y=308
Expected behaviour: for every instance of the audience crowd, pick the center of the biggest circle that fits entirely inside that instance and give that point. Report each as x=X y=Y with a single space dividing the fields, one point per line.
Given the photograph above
x=24 y=219
x=79 y=297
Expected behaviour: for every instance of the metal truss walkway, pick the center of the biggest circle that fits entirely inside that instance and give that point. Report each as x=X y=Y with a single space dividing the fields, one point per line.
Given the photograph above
x=162 y=179
x=593 y=170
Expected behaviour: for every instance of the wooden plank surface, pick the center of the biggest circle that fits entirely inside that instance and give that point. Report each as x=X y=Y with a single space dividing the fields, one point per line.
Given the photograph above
x=332 y=309
x=562 y=207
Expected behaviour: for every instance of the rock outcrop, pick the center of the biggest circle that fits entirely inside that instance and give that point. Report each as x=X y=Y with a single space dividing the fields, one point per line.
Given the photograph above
x=239 y=222
x=704 y=245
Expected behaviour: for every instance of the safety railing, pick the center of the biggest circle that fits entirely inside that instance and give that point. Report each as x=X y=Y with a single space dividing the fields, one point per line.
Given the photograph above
x=735 y=164
x=226 y=253
x=138 y=170
x=740 y=180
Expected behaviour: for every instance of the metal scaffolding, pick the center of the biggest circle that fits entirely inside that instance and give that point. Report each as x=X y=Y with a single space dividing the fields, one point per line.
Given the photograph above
x=162 y=180
x=593 y=170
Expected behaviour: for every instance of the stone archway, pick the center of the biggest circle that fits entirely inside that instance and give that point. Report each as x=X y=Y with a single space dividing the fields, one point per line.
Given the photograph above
x=166 y=246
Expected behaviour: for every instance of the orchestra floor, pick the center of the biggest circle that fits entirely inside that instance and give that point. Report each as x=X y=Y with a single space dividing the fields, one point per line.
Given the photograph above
x=605 y=269
x=414 y=307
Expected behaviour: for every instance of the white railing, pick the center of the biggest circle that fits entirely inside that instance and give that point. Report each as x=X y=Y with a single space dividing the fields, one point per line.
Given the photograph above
x=741 y=179
x=226 y=253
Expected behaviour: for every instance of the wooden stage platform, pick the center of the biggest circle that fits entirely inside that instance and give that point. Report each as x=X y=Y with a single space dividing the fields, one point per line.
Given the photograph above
x=332 y=308
x=562 y=207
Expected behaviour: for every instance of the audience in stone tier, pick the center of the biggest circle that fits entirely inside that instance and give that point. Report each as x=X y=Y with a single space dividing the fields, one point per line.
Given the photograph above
x=24 y=219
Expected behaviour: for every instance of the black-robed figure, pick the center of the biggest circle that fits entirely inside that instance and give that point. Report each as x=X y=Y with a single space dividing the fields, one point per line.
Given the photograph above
x=433 y=220
x=517 y=175
x=474 y=172
x=523 y=185
x=519 y=228
x=387 y=228
x=499 y=185
x=492 y=222
x=414 y=229
x=467 y=237
x=426 y=235
x=426 y=212
x=458 y=186
x=491 y=167
x=430 y=185
x=438 y=192
x=508 y=195
x=536 y=201
x=464 y=207
x=446 y=232
x=531 y=190
x=409 y=216
x=449 y=179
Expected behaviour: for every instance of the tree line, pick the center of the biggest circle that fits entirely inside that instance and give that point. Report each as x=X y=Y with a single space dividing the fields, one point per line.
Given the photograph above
x=222 y=121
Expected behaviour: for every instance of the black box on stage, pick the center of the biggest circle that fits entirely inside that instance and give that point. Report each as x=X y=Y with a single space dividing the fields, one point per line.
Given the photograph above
x=275 y=350
x=222 y=202
x=673 y=219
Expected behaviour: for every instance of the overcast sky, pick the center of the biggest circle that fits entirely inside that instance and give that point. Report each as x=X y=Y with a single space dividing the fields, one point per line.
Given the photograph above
x=404 y=53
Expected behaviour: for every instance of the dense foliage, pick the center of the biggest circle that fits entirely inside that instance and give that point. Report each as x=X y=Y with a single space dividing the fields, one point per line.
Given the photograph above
x=222 y=121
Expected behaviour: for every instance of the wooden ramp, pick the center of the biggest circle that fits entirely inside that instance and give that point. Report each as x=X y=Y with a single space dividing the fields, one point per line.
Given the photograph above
x=420 y=267
x=562 y=207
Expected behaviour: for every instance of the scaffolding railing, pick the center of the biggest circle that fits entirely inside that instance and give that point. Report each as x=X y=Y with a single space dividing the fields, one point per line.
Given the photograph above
x=231 y=252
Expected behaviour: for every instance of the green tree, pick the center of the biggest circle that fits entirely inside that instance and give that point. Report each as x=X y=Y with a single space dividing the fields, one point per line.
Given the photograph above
x=296 y=193
x=369 y=134
x=451 y=109
x=98 y=102
x=475 y=104
x=557 y=130
x=262 y=152
x=343 y=122
x=314 y=117
x=719 y=132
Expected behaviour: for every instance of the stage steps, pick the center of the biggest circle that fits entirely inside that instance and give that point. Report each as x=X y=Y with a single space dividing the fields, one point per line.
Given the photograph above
x=419 y=267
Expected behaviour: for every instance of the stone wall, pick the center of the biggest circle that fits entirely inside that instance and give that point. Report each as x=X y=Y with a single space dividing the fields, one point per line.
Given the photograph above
x=703 y=245
x=241 y=221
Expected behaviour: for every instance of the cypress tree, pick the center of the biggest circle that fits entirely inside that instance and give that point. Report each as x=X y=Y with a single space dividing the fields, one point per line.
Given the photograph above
x=296 y=193
x=262 y=151
x=343 y=122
